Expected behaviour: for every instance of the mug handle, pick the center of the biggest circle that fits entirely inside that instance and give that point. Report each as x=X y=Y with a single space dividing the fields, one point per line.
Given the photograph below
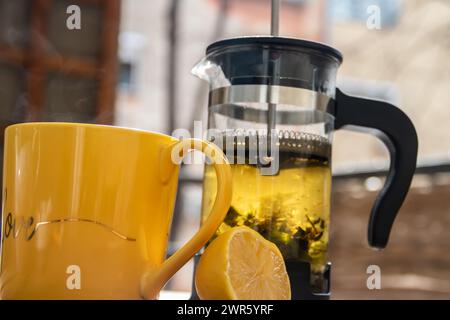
x=152 y=281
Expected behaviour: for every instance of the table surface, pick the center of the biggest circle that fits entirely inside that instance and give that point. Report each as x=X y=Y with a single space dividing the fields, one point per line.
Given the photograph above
x=174 y=295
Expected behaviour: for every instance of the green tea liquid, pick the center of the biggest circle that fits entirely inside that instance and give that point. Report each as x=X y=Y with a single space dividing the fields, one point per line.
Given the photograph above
x=291 y=209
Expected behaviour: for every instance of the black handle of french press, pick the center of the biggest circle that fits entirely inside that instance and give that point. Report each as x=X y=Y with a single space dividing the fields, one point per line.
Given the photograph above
x=396 y=130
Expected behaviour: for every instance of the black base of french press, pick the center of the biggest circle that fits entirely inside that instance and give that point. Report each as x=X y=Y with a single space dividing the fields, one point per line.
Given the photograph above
x=299 y=276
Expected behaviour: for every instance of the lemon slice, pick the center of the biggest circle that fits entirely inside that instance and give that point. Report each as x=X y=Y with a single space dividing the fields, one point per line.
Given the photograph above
x=241 y=265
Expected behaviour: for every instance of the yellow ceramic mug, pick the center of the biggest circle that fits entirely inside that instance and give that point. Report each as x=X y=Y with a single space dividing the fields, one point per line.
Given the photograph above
x=87 y=211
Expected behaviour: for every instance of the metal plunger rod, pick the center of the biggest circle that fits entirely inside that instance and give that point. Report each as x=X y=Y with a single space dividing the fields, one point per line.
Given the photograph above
x=274 y=24
x=274 y=31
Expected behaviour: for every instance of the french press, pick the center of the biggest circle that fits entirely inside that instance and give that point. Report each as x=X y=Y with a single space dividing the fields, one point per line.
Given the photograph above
x=281 y=93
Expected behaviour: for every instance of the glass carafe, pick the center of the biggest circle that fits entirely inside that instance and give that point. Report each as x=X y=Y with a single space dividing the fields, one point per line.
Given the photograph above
x=273 y=106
